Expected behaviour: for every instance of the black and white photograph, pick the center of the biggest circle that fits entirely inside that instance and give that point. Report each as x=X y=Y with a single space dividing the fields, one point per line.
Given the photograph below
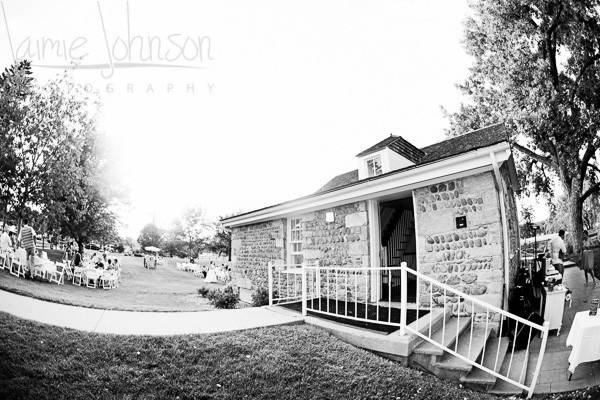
x=340 y=199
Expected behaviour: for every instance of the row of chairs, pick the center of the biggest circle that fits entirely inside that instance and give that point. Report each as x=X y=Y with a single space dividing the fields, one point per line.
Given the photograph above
x=108 y=280
x=17 y=268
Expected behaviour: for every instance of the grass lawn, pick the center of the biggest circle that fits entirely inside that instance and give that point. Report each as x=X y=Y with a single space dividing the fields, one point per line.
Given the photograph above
x=42 y=362
x=290 y=362
x=160 y=289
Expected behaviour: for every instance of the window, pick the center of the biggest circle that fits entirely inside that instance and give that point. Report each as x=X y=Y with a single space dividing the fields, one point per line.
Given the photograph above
x=374 y=166
x=296 y=255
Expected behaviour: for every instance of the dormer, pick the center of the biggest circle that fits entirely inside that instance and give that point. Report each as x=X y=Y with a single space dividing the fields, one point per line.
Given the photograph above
x=390 y=154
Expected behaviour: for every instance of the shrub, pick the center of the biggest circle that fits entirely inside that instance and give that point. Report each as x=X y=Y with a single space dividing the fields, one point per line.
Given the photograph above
x=203 y=291
x=223 y=298
x=260 y=297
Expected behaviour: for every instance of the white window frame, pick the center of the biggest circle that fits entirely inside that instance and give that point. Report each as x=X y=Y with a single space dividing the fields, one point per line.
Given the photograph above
x=291 y=242
x=372 y=170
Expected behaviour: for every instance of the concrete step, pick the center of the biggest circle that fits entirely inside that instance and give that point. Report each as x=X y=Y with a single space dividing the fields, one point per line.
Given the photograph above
x=477 y=342
x=480 y=377
x=516 y=367
x=446 y=337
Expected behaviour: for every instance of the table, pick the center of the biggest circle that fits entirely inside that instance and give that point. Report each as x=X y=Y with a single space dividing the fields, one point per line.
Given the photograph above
x=583 y=337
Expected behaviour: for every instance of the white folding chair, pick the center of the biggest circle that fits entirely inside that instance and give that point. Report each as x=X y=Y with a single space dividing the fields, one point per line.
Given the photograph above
x=77 y=276
x=17 y=268
x=3 y=260
x=58 y=276
x=92 y=284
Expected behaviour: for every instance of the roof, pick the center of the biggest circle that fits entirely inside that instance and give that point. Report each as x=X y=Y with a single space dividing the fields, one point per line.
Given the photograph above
x=471 y=141
x=456 y=145
x=340 y=180
x=397 y=144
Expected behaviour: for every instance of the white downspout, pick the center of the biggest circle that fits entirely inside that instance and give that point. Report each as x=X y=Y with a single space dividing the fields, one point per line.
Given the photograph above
x=501 y=193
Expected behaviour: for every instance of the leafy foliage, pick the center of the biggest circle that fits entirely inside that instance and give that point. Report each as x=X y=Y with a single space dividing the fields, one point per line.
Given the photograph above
x=260 y=297
x=151 y=235
x=227 y=297
x=537 y=67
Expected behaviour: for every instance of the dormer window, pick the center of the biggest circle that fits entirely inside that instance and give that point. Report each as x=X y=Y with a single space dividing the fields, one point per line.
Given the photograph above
x=374 y=166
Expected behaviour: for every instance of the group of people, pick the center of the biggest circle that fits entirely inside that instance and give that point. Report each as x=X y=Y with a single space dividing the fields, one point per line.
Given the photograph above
x=101 y=262
x=26 y=241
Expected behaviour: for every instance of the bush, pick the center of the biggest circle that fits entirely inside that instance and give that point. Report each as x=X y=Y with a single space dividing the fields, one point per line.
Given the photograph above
x=223 y=298
x=203 y=291
x=260 y=297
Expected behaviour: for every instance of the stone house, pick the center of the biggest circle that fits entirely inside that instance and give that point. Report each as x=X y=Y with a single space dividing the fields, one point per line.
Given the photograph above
x=447 y=209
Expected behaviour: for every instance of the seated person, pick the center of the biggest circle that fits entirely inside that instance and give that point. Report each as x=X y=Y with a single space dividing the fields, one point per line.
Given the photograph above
x=116 y=264
x=77 y=259
x=108 y=264
x=99 y=265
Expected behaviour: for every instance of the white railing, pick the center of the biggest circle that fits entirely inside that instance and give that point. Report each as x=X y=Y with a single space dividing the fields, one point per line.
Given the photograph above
x=351 y=293
x=354 y=293
x=285 y=283
x=492 y=319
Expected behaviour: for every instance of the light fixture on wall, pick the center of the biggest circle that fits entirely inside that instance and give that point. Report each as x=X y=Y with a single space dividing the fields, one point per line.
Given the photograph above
x=329 y=217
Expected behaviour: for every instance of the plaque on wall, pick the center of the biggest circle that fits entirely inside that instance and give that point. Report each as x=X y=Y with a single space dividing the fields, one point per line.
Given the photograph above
x=461 y=222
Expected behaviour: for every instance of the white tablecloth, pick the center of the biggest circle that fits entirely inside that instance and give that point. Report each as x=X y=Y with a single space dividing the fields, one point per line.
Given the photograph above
x=584 y=336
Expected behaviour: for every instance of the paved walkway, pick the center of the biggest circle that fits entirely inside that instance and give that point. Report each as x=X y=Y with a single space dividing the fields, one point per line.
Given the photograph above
x=142 y=323
x=554 y=376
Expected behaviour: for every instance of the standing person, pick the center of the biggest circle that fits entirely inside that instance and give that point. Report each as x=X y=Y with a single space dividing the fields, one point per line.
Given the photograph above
x=587 y=258
x=557 y=244
x=27 y=240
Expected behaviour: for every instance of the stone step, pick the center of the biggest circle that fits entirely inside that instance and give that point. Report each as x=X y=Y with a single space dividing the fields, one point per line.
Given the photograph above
x=503 y=387
x=448 y=336
x=480 y=377
x=479 y=338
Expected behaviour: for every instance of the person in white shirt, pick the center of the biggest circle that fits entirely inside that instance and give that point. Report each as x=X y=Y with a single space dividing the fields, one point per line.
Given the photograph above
x=556 y=245
x=6 y=244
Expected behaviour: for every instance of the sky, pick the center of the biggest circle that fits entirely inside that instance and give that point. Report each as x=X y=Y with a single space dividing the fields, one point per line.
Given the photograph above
x=247 y=104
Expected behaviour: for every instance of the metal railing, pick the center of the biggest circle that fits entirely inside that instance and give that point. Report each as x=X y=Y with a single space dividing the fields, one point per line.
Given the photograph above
x=354 y=293
x=285 y=283
x=488 y=317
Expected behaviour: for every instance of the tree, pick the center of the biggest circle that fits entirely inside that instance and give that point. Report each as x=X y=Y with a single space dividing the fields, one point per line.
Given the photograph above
x=15 y=87
x=54 y=121
x=537 y=68
x=151 y=235
x=73 y=196
x=195 y=228
x=220 y=243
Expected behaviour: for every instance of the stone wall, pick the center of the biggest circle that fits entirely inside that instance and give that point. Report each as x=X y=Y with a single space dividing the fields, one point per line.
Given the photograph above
x=471 y=258
x=252 y=247
x=344 y=242
x=341 y=243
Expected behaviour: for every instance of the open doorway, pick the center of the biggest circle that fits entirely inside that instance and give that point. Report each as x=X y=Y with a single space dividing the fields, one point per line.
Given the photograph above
x=398 y=244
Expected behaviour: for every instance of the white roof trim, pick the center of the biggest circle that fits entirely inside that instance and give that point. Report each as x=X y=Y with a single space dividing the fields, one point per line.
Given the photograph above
x=464 y=164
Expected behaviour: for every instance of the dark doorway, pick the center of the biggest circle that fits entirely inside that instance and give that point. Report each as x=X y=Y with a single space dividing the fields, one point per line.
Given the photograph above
x=398 y=244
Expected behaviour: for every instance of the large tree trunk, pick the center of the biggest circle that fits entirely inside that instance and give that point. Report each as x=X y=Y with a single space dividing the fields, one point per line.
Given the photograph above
x=576 y=211
x=80 y=247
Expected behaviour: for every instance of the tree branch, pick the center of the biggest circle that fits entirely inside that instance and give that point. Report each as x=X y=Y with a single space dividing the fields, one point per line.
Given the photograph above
x=585 y=160
x=587 y=64
x=593 y=189
x=532 y=154
x=551 y=45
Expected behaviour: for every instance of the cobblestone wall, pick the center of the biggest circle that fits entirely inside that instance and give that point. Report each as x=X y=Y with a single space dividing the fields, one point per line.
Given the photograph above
x=252 y=247
x=470 y=258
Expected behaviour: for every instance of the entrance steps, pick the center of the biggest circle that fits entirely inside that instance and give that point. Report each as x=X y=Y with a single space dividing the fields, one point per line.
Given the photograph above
x=477 y=344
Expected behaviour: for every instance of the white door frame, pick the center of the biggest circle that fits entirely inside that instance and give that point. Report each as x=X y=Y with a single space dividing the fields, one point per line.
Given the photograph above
x=374 y=247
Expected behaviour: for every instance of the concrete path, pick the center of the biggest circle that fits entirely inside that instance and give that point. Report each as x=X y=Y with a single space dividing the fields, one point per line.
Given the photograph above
x=142 y=323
